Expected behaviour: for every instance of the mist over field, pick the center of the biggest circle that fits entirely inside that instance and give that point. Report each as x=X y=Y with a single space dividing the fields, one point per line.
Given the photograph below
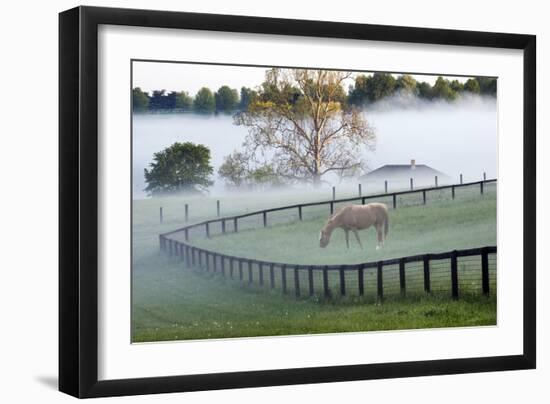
x=452 y=137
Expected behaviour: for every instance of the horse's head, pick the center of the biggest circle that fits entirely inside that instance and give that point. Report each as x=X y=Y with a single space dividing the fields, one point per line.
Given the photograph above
x=324 y=238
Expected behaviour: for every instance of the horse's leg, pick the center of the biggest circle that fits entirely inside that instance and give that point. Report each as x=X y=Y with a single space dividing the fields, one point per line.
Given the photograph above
x=347 y=237
x=357 y=237
x=380 y=236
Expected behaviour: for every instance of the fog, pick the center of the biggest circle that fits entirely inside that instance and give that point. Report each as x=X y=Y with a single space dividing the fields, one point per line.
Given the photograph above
x=458 y=137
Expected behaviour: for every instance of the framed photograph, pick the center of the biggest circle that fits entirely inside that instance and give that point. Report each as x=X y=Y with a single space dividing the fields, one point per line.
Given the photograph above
x=251 y=201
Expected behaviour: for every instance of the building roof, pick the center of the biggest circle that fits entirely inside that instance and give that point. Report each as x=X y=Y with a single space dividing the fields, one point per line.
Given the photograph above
x=408 y=170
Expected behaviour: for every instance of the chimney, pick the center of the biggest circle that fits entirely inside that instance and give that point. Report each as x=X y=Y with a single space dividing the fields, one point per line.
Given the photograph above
x=413 y=164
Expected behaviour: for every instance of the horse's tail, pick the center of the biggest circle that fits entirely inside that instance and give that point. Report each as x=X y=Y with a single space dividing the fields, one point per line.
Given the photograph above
x=386 y=226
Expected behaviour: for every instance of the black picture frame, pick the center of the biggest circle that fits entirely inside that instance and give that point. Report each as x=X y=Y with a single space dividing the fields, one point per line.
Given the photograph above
x=78 y=201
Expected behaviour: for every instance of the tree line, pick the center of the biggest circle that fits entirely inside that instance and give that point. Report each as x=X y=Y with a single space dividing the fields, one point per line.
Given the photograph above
x=225 y=100
x=302 y=126
x=365 y=89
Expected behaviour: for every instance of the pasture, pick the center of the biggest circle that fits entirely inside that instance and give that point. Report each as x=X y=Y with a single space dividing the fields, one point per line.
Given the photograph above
x=172 y=302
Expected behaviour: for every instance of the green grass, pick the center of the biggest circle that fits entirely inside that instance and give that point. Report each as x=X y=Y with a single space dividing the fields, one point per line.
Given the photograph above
x=171 y=302
x=438 y=227
x=175 y=303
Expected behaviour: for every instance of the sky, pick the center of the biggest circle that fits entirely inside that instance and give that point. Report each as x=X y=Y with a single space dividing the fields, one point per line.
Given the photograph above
x=151 y=76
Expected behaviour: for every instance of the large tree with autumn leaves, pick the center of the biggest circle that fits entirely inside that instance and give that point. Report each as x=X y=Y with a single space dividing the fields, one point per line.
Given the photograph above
x=299 y=124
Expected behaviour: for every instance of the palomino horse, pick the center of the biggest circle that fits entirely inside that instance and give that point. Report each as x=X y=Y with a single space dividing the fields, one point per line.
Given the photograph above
x=357 y=217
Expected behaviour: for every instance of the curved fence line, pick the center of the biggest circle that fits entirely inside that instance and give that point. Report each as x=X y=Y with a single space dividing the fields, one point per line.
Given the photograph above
x=396 y=275
x=332 y=202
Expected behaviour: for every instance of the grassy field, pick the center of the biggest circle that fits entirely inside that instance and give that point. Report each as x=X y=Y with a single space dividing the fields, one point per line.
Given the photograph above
x=171 y=302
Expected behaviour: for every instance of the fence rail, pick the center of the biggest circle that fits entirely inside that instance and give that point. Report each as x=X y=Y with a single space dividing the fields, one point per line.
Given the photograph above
x=470 y=270
x=331 y=202
x=352 y=279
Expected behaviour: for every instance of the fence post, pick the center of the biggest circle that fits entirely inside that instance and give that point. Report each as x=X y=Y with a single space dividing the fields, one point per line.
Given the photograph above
x=235 y=225
x=160 y=214
x=453 y=191
x=485 y=272
x=300 y=212
x=402 y=279
x=342 y=282
x=361 y=279
x=385 y=187
x=200 y=258
x=250 y=276
x=186 y=212
x=363 y=199
x=484 y=176
x=359 y=189
x=412 y=185
x=283 y=278
x=186 y=234
x=454 y=275
x=193 y=256
x=379 y=282
x=231 y=267
x=261 y=273
x=223 y=226
x=331 y=207
x=207 y=228
x=310 y=280
x=461 y=178
x=271 y=276
x=427 y=283
x=333 y=193
x=170 y=247
x=182 y=252
x=265 y=218
x=187 y=255
x=481 y=187
x=325 y=282
x=436 y=181
x=424 y=197
x=296 y=282
x=394 y=198
x=222 y=264
x=218 y=207
x=240 y=269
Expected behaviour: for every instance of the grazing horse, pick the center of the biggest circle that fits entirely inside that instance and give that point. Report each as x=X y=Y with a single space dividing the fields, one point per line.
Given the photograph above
x=357 y=217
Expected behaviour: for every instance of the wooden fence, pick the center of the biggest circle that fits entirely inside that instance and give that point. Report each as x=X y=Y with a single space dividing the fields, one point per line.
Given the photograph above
x=299 y=208
x=453 y=271
x=437 y=272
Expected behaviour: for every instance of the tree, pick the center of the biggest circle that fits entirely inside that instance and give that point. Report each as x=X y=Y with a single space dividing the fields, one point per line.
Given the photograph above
x=157 y=100
x=472 y=86
x=425 y=91
x=487 y=86
x=381 y=85
x=442 y=89
x=237 y=172
x=183 y=101
x=180 y=167
x=358 y=93
x=309 y=134
x=457 y=86
x=406 y=84
x=372 y=88
x=227 y=99
x=264 y=176
x=140 y=100
x=234 y=169
x=204 y=101
x=247 y=96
